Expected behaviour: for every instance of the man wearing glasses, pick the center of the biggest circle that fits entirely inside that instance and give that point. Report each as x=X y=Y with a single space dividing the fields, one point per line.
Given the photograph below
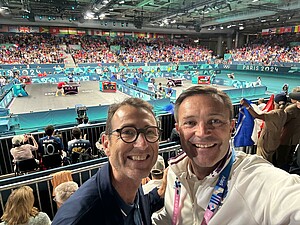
x=114 y=195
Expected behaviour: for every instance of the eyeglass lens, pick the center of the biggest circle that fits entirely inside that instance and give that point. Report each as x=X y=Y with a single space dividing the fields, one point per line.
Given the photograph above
x=130 y=134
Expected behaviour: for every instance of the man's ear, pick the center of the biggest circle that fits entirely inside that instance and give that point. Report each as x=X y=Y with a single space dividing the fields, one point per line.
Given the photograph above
x=232 y=125
x=105 y=144
x=177 y=127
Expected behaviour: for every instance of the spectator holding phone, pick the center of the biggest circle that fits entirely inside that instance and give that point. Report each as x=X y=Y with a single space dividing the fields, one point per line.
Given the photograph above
x=21 y=151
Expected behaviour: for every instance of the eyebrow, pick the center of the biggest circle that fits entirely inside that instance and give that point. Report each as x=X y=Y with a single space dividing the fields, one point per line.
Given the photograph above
x=188 y=117
x=210 y=115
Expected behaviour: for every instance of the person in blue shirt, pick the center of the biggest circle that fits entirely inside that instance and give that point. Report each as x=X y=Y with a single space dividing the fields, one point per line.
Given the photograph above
x=50 y=144
x=71 y=77
x=16 y=79
x=114 y=195
x=51 y=149
x=79 y=148
x=169 y=91
x=135 y=81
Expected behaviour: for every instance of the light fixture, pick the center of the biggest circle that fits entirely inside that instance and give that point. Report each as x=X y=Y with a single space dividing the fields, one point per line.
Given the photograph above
x=89 y=15
x=165 y=21
x=101 y=16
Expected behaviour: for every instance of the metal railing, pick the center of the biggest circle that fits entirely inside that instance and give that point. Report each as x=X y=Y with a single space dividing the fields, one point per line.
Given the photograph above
x=93 y=133
x=40 y=182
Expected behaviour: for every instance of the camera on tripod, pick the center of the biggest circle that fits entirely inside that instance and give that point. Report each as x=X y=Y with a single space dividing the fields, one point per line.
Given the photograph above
x=81 y=113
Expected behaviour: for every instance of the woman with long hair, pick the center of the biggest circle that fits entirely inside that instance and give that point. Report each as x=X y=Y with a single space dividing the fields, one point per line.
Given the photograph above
x=19 y=209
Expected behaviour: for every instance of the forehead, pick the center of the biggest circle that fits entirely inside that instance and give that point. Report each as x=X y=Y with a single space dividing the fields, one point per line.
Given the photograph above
x=203 y=98
x=204 y=103
x=130 y=115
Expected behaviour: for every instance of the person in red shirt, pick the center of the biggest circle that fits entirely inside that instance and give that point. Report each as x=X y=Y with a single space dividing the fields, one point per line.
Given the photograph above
x=60 y=89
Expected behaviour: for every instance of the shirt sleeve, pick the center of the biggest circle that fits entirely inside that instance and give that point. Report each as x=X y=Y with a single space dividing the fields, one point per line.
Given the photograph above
x=156 y=202
x=44 y=219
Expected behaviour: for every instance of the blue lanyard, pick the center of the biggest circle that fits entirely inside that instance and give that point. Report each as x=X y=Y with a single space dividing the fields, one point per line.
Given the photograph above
x=219 y=193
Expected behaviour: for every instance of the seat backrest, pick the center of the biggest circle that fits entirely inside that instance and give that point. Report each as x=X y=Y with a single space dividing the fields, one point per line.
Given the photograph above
x=52 y=161
x=26 y=165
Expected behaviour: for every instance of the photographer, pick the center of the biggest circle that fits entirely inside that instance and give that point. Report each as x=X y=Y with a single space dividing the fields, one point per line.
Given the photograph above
x=21 y=151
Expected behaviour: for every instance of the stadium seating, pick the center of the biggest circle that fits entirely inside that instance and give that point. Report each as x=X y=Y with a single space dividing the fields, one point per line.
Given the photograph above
x=25 y=166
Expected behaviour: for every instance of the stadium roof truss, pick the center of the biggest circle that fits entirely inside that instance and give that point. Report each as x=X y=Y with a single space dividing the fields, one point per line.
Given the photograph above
x=252 y=15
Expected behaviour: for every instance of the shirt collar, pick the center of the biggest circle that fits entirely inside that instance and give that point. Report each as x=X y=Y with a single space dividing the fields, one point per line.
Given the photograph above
x=125 y=208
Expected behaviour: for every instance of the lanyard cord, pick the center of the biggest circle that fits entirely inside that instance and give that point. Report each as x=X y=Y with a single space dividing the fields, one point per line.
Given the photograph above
x=177 y=187
x=218 y=195
x=219 y=192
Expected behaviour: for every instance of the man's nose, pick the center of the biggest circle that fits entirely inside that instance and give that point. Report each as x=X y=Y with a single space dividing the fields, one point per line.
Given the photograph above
x=141 y=142
x=202 y=129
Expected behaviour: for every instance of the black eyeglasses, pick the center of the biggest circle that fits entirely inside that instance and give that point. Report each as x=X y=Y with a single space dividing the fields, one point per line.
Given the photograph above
x=130 y=134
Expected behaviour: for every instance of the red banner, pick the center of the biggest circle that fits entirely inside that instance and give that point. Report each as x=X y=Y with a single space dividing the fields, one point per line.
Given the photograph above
x=81 y=32
x=54 y=30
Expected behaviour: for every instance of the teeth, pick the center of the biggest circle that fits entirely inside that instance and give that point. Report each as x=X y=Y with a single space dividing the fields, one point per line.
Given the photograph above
x=204 y=146
x=138 y=157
